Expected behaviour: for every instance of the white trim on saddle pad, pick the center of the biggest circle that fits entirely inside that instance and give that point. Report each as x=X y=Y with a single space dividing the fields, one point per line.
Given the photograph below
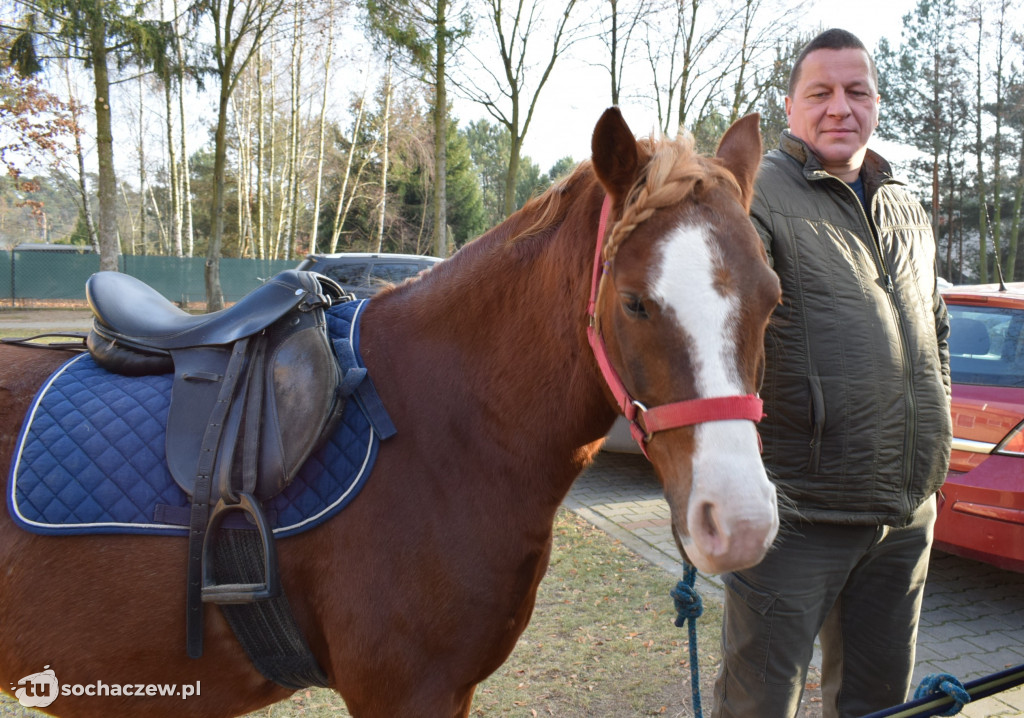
x=331 y=493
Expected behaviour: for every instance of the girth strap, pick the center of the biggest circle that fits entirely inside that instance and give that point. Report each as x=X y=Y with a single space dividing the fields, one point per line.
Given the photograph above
x=266 y=629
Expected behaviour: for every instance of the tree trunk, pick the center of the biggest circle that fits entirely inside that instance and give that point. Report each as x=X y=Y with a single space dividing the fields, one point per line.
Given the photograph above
x=186 y=180
x=214 y=293
x=107 y=190
x=979 y=150
x=174 y=180
x=382 y=205
x=161 y=230
x=244 y=112
x=614 y=64
x=950 y=215
x=83 y=190
x=293 y=160
x=997 y=148
x=339 y=214
x=273 y=211
x=1018 y=201
x=142 y=175
x=440 y=134
x=261 y=246
x=688 y=51
x=512 y=174
x=318 y=186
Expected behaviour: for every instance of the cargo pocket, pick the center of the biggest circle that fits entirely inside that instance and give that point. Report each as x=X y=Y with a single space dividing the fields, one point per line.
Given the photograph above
x=748 y=627
x=816 y=418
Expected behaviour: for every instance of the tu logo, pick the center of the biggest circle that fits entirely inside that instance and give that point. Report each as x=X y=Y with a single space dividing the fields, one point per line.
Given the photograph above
x=37 y=690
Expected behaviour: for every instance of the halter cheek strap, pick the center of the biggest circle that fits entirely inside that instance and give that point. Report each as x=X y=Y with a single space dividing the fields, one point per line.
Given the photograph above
x=644 y=422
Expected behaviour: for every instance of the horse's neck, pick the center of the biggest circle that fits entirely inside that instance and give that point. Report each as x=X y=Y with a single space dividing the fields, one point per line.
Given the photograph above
x=499 y=334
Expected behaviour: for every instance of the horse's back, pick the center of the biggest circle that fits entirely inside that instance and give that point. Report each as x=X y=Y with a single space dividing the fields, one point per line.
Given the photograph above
x=22 y=371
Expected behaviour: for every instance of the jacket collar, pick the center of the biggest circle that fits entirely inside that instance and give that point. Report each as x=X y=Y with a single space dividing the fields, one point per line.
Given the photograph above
x=875 y=171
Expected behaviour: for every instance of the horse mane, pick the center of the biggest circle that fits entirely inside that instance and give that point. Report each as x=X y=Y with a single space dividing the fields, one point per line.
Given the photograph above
x=671 y=171
x=550 y=208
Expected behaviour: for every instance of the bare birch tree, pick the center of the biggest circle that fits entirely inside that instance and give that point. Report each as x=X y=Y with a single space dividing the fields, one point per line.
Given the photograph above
x=345 y=200
x=386 y=146
x=328 y=32
x=509 y=86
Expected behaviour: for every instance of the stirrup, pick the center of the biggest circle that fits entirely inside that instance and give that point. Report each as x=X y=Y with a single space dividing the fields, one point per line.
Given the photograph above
x=270 y=587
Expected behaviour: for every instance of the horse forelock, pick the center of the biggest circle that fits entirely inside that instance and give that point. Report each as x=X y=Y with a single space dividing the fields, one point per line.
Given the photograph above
x=674 y=172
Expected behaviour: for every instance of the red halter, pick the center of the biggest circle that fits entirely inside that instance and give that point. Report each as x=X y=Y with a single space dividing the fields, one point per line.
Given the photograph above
x=645 y=422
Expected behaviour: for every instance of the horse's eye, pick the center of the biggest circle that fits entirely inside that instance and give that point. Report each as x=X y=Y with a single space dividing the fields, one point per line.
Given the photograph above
x=634 y=306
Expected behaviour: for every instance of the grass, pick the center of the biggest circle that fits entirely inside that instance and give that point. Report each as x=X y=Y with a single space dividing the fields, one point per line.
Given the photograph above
x=602 y=642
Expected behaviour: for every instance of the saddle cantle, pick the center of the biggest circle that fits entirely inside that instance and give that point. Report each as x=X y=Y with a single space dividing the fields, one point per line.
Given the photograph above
x=255 y=391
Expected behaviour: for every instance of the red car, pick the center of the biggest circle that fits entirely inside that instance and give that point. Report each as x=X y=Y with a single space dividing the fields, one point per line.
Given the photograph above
x=981 y=505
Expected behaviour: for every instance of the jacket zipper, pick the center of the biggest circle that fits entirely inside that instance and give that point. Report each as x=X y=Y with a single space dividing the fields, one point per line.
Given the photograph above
x=910 y=429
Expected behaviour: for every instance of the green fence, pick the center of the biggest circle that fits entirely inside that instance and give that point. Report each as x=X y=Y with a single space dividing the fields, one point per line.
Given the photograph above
x=39 y=276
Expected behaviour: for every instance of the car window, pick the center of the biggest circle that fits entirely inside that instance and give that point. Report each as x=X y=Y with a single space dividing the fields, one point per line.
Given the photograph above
x=349 y=273
x=393 y=272
x=986 y=345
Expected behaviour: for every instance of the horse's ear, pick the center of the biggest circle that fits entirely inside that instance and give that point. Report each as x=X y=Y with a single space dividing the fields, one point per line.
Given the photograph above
x=614 y=154
x=740 y=152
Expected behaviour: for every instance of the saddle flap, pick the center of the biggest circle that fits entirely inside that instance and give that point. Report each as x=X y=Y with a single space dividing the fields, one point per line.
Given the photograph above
x=301 y=404
x=285 y=404
x=198 y=373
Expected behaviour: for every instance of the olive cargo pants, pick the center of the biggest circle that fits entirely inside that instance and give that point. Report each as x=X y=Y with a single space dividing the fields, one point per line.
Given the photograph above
x=857 y=587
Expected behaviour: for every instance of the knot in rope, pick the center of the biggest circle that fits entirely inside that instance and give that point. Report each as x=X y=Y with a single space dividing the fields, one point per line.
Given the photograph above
x=688 y=603
x=938 y=683
x=690 y=607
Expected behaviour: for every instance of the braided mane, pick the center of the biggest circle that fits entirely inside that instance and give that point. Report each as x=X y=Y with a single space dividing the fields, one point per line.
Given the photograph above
x=674 y=172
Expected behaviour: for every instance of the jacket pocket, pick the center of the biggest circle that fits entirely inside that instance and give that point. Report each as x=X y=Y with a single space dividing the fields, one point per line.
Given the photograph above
x=816 y=418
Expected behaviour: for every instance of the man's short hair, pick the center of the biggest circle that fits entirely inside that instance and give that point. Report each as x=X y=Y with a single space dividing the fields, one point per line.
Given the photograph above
x=834 y=39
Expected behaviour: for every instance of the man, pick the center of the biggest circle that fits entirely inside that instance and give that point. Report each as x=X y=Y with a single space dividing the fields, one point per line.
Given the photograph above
x=856 y=391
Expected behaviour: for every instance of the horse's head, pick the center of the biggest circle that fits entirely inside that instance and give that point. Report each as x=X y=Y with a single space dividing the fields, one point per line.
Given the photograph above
x=682 y=308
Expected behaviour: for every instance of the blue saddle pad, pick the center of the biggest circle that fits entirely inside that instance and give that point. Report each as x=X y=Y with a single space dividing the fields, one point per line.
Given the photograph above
x=91 y=456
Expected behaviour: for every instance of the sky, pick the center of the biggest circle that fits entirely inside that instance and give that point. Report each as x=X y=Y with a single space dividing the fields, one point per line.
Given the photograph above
x=578 y=93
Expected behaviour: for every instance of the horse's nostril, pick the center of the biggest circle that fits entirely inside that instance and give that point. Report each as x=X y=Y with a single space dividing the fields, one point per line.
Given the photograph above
x=708 y=518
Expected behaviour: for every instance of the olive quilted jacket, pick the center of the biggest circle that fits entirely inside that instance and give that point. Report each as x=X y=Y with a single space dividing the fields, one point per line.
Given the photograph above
x=856 y=385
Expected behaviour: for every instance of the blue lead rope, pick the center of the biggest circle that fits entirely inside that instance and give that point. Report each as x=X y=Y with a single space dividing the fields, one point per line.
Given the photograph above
x=939 y=683
x=690 y=607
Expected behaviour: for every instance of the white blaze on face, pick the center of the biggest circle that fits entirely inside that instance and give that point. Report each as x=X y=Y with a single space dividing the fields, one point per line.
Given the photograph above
x=731 y=513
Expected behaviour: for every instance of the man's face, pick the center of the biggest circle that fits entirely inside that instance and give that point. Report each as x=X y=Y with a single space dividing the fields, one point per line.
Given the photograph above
x=834 y=108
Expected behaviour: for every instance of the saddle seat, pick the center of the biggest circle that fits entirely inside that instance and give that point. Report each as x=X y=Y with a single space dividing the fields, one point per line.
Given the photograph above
x=134 y=313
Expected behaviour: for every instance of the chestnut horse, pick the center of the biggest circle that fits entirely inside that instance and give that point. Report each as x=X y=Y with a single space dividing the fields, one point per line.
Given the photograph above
x=420 y=588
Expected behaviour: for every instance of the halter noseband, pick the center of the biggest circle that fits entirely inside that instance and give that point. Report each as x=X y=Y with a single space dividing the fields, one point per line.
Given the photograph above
x=644 y=422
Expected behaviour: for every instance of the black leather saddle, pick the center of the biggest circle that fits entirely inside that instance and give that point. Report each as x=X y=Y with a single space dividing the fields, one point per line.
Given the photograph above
x=255 y=391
